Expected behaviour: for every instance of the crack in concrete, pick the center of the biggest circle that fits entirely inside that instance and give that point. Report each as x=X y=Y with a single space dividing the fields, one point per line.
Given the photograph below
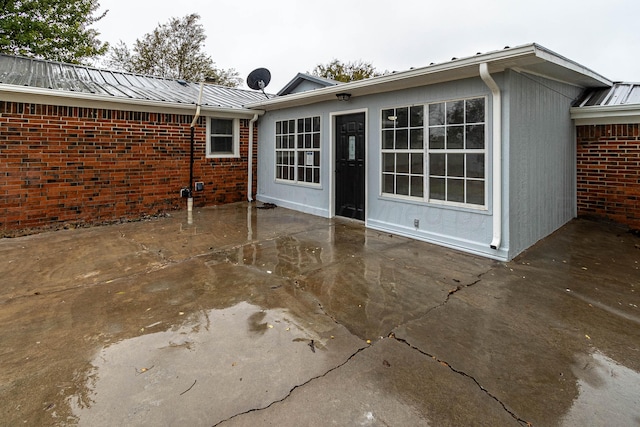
x=294 y=388
x=464 y=374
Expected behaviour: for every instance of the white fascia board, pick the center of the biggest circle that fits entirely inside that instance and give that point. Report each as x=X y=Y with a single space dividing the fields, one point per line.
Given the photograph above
x=604 y=115
x=554 y=58
x=457 y=69
x=85 y=100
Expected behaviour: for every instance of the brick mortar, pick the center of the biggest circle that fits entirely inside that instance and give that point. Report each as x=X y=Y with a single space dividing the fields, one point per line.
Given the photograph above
x=608 y=172
x=67 y=164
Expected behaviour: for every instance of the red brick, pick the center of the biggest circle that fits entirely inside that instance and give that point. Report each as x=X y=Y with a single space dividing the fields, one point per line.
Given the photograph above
x=61 y=164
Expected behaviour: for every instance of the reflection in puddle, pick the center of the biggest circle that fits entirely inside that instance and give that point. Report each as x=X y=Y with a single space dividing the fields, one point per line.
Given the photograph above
x=609 y=393
x=217 y=363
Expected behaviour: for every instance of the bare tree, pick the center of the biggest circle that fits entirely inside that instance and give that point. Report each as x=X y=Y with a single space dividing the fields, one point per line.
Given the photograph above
x=172 y=50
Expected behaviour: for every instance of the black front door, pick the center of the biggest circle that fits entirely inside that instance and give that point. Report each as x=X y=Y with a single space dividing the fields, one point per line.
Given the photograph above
x=350 y=166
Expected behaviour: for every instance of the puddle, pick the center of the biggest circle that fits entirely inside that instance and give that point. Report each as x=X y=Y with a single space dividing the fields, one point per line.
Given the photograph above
x=609 y=393
x=216 y=364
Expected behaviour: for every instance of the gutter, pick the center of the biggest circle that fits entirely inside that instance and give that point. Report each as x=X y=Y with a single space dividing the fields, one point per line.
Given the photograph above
x=80 y=99
x=497 y=154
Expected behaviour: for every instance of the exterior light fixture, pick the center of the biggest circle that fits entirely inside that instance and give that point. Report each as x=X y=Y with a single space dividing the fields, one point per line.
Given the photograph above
x=343 y=96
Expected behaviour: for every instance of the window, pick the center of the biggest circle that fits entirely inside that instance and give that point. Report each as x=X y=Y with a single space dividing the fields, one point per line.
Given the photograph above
x=457 y=151
x=223 y=137
x=298 y=150
x=435 y=152
x=403 y=151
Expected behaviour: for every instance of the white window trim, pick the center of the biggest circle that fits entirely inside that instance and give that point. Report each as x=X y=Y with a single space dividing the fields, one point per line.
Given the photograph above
x=296 y=150
x=236 y=140
x=427 y=151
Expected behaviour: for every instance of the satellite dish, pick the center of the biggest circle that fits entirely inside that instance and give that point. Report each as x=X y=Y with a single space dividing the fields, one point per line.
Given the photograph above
x=258 y=79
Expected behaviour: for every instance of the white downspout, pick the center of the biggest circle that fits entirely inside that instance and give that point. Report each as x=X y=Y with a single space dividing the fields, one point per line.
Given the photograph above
x=250 y=161
x=497 y=154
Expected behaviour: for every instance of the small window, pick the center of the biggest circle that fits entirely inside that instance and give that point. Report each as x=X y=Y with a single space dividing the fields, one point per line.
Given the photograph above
x=223 y=137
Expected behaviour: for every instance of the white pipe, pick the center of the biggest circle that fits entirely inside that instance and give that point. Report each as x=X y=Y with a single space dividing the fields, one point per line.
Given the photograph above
x=193 y=122
x=250 y=160
x=497 y=154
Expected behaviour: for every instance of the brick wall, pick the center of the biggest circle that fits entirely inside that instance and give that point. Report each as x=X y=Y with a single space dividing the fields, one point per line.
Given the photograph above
x=83 y=165
x=608 y=174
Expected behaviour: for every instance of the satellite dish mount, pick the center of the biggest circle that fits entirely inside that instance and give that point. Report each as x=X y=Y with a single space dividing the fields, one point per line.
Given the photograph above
x=258 y=79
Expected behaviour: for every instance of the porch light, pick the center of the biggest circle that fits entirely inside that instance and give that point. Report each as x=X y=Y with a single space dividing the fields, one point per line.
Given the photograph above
x=343 y=96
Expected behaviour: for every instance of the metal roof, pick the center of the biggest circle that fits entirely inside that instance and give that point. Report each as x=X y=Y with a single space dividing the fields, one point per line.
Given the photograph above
x=618 y=94
x=70 y=79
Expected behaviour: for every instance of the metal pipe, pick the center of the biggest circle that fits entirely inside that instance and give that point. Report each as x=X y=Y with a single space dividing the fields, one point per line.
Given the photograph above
x=192 y=154
x=250 y=160
x=497 y=154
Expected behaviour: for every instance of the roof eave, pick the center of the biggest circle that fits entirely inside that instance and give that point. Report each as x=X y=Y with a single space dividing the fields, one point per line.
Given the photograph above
x=607 y=114
x=522 y=57
x=81 y=99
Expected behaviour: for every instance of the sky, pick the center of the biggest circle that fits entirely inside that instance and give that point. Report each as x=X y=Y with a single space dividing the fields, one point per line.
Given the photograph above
x=288 y=36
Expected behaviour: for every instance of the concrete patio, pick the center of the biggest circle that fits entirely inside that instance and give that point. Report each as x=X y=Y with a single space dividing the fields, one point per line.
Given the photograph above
x=242 y=316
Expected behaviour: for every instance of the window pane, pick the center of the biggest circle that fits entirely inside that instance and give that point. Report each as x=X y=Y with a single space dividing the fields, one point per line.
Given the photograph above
x=387 y=183
x=316 y=140
x=221 y=144
x=316 y=158
x=278 y=128
x=300 y=125
x=387 y=139
x=417 y=164
x=221 y=127
x=402 y=185
x=316 y=175
x=436 y=114
x=308 y=175
x=301 y=158
x=403 y=117
x=436 y=188
x=386 y=119
x=307 y=141
x=475 y=192
x=455 y=112
x=475 y=137
x=475 y=165
x=416 y=116
x=292 y=141
x=278 y=142
x=455 y=137
x=388 y=162
x=285 y=126
x=475 y=110
x=300 y=141
x=402 y=163
x=316 y=124
x=455 y=190
x=402 y=139
x=416 y=139
x=417 y=185
x=455 y=165
x=436 y=138
x=307 y=124
x=436 y=164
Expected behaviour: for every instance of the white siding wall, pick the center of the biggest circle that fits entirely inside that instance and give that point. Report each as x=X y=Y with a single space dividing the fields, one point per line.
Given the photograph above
x=540 y=158
x=465 y=229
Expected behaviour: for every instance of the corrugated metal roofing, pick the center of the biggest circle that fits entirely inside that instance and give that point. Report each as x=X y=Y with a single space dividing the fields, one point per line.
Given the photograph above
x=36 y=73
x=618 y=94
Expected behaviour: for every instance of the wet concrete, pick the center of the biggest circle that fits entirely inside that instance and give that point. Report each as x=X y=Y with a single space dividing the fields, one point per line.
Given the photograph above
x=245 y=316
